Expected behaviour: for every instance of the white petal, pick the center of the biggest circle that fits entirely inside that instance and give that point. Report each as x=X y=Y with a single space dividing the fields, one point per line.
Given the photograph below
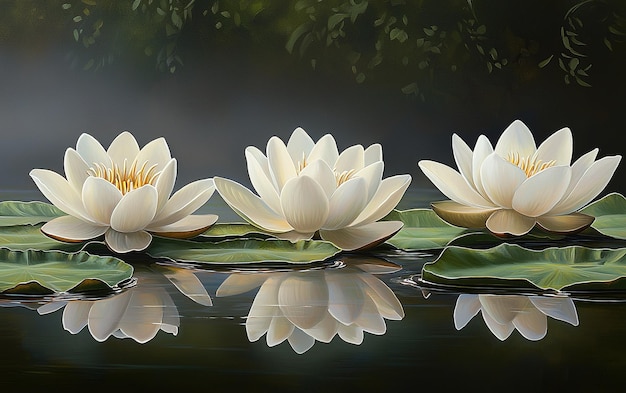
x=300 y=341
x=346 y=203
x=186 y=227
x=502 y=308
x=501 y=331
x=352 y=334
x=263 y=309
x=189 y=285
x=72 y=229
x=303 y=298
x=542 y=191
x=100 y=198
x=373 y=175
x=238 y=283
x=370 y=319
x=124 y=148
x=579 y=168
x=467 y=306
x=386 y=301
x=165 y=183
x=126 y=242
x=501 y=179
x=325 y=330
x=345 y=296
x=255 y=153
x=304 y=204
x=250 y=207
x=384 y=200
x=531 y=324
x=372 y=154
x=452 y=184
x=511 y=222
x=518 y=139
x=92 y=151
x=299 y=145
x=325 y=149
x=482 y=150
x=350 y=159
x=58 y=191
x=279 y=330
x=281 y=165
x=105 y=315
x=323 y=175
x=589 y=186
x=185 y=201
x=558 y=147
x=52 y=307
x=354 y=238
x=135 y=210
x=262 y=182
x=144 y=315
x=463 y=157
x=560 y=308
x=75 y=315
x=156 y=152
x=76 y=169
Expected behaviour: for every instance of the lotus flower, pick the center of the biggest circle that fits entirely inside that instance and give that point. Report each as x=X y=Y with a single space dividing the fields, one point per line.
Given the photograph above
x=306 y=187
x=511 y=188
x=122 y=193
x=304 y=306
x=505 y=313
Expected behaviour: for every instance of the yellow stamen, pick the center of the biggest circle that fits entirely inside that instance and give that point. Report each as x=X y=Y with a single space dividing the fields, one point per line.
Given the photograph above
x=339 y=177
x=126 y=178
x=529 y=165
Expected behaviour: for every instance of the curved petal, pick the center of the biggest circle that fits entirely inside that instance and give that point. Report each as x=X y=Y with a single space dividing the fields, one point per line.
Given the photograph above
x=516 y=139
x=560 y=308
x=281 y=165
x=165 y=183
x=135 y=210
x=363 y=236
x=76 y=169
x=370 y=319
x=300 y=341
x=58 y=191
x=542 y=191
x=254 y=153
x=126 y=242
x=346 y=203
x=279 y=330
x=250 y=207
x=466 y=308
x=502 y=308
x=503 y=222
x=558 y=147
x=462 y=215
x=345 y=296
x=579 y=168
x=92 y=151
x=501 y=179
x=452 y=184
x=123 y=149
x=373 y=175
x=566 y=223
x=264 y=307
x=75 y=316
x=325 y=149
x=105 y=315
x=304 y=204
x=155 y=152
x=303 y=299
x=386 y=198
x=189 y=285
x=238 y=283
x=100 y=197
x=323 y=175
x=144 y=316
x=589 y=186
x=184 y=202
x=463 y=157
x=386 y=301
x=72 y=229
x=482 y=150
x=372 y=154
x=187 y=227
x=325 y=330
x=352 y=334
x=299 y=146
x=351 y=159
x=262 y=181
x=531 y=324
x=501 y=331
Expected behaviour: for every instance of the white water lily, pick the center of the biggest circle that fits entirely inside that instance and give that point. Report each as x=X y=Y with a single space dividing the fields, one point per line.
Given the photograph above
x=303 y=307
x=505 y=313
x=122 y=193
x=305 y=187
x=516 y=185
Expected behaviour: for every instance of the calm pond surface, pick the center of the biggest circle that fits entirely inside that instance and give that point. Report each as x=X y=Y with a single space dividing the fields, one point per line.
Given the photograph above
x=193 y=342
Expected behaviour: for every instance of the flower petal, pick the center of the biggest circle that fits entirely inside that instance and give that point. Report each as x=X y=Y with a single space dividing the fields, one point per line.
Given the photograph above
x=463 y=157
x=345 y=296
x=325 y=330
x=346 y=203
x=303 y=298
x=325 y=149
x=351 y=159
x=352 y=334
x=187 y=227
x=75 y=315
x=363 y=236
x=184 y=202
x=264 y=307
x=105 y=315
x=558 y=147
x=279 y=330
x=155 y=152
x=542 y=191
x=370 y=319
x=503 y=222
x=300 y=341
x=238 y=283
x=466 y=308
x=281 y=165
x=579 y=168
x=72 y=229
x=76 y=169
x=304 y=204
x=124 y=148
x=299 y=146
x=517 y=139
x=501 y=331
x=189 y=285
x=560 y=308
x=135 y=210
x=100 y=197
x=567 y=223
x=386 y=301
x=144 y=316
x=126 y=242
x=250 y=207
x=59 y=191
x=482 y=150
x=384 y=200
x=462 y=215
x=373 y=175
x=262 y=181
x=501 y=179
x=372 y=154
x=92 y=151
x=452 y=184
x=531 y=324
x=165 y=183
x=323 y=175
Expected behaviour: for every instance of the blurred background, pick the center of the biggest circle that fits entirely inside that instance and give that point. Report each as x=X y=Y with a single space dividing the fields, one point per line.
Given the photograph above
x=213 y=77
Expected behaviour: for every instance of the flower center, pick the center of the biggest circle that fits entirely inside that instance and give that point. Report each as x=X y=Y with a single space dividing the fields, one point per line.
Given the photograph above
x=340 y=178
x=529 y=165
x=126 y=178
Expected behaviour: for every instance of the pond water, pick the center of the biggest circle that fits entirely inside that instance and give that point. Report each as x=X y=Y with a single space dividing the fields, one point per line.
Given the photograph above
x=164 y=333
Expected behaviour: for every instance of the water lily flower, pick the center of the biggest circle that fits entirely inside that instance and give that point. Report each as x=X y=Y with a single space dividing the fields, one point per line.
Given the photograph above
x=122 y=193
x=303 y=307
x=306 y=187
x=505 y=313
x=516 y=185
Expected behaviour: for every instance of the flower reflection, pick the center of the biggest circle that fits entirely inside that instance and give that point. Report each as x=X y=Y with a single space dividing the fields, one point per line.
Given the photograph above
x=505 y=313
x=138 y=313
x=304 y=306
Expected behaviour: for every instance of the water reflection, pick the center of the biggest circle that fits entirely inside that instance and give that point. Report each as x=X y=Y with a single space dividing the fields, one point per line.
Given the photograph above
x=138 y=313
x=306 y=306
x=504 y=313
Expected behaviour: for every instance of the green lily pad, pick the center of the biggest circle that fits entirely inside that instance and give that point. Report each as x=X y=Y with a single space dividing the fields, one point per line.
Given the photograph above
x=509 y=265
x=610 y=214
x=21 y=213
x=423 y=230
x=234 y=230
x=24 y=237
x=26 y=272
x=242 y=251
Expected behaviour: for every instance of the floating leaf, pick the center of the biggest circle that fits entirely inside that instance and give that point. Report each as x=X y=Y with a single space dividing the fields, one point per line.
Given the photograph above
x=242 y=251
x=59 y=271
x=610 y=214
x=423 y=230
x=20 y=213
x=24 y=237
x=509 y=265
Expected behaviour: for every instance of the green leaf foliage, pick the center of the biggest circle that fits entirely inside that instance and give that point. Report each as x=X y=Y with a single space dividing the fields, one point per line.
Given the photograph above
x=242 y=251
x=26 y=272
x=24 y=237
x=610 y=214
x=21 y=213
x=423 y=230
x=509 y=265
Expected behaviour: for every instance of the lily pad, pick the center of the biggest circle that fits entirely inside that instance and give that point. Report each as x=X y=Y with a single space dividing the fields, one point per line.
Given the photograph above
x=509 y=265
x=24 y=237
x=233 y=230
x=21 y=213
x=610 y=214
x=28 y=271
x=242 y=251
x=423 y=230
